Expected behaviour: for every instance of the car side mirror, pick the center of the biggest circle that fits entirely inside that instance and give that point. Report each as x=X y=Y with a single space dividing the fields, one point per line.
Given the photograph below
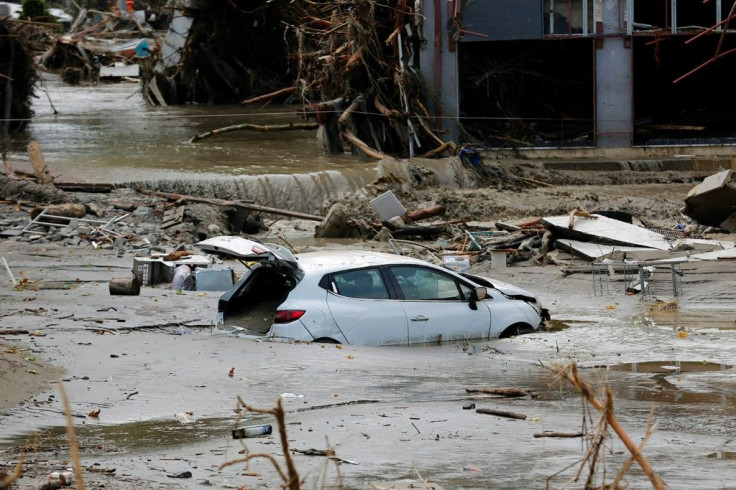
x=476 y=295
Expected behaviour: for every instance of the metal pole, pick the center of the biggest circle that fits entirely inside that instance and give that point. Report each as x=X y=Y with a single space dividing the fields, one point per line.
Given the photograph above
x=673 y=8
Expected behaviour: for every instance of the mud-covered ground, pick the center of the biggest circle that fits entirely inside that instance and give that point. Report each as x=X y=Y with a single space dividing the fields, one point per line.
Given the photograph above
x=149 y=362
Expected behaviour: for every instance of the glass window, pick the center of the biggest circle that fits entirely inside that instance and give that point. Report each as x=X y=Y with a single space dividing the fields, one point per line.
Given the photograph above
x=364 y=283
x=419 y=283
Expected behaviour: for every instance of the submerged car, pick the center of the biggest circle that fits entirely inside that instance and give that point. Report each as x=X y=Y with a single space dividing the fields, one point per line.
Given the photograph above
x=366 y=298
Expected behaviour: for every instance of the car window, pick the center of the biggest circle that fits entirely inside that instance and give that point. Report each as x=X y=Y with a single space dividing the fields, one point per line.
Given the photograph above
x=420 y=283
x=364 y=284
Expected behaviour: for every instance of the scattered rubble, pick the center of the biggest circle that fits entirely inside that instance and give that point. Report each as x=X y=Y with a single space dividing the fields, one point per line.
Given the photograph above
x=409 y=218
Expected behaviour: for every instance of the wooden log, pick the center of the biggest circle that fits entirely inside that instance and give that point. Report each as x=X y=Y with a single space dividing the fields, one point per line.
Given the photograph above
x=222 y=202
x=559 y=434
x=125 y=286
x=383 y=109
x=425 y=213
x=256 y=127
x=43 y=176
x=426 y=128
x=68 y=210
x=501 y=413
x=342 y=121
x=269 y=97
x=440 y=149
x=507 y=392
x=363 y=146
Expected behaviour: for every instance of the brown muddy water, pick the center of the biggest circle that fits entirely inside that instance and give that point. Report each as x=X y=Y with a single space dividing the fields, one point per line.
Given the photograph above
x=106 y=133
x=395 y=412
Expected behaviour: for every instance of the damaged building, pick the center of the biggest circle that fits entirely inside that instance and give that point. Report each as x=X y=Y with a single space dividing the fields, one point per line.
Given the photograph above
x=584 y=73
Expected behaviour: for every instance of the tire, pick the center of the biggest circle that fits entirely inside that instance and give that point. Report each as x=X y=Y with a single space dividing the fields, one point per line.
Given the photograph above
x=325 y=340
x=516 y=329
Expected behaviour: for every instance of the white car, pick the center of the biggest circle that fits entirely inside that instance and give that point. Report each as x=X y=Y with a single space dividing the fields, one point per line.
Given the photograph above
x=367 y=298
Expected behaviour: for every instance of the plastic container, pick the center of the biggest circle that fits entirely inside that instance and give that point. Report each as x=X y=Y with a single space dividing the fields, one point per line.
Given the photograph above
x=252 y=431
x=213 y=279
x=387 y=206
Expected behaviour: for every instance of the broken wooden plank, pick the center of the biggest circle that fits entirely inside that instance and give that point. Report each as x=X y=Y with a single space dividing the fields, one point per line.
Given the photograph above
x=222 y=202
x=173 y=216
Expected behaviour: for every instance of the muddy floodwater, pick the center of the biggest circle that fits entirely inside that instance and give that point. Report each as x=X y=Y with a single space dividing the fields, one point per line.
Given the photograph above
x=154 y=389
x=106 y=133
x=159 y=374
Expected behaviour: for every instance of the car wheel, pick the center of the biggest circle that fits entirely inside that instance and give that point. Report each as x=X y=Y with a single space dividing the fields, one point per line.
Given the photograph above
x=326 y=340
x=516 y=329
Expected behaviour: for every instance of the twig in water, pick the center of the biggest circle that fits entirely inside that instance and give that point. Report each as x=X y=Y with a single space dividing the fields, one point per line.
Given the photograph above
x=71 y=433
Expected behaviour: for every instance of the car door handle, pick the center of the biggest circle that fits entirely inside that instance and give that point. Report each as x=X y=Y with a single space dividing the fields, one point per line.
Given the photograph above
x=420 y=318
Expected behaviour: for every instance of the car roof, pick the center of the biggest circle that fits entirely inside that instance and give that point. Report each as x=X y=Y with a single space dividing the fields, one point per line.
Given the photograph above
x=335 y=260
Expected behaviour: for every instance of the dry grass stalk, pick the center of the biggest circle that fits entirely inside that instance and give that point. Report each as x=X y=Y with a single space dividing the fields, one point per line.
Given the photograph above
x=570 y=373
x=6 y=480
x=290 y=477
x=71 y=433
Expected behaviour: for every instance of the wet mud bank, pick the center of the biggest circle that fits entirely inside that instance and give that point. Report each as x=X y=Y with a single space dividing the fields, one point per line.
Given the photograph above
x=159 y=374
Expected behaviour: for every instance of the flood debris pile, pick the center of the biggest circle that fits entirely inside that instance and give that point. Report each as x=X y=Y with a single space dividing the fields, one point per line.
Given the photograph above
x=17 y=72
x=218 y=52
x=101 y=45
x=352 y=67
x=624 y=253
x=359 y=77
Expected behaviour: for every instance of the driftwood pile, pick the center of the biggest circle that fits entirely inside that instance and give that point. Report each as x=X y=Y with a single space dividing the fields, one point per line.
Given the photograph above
x=353 y=67
x=78 y=55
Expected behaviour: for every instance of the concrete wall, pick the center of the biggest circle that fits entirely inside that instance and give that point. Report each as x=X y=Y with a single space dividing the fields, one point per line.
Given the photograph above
x=614 y=98
x=445 y=77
